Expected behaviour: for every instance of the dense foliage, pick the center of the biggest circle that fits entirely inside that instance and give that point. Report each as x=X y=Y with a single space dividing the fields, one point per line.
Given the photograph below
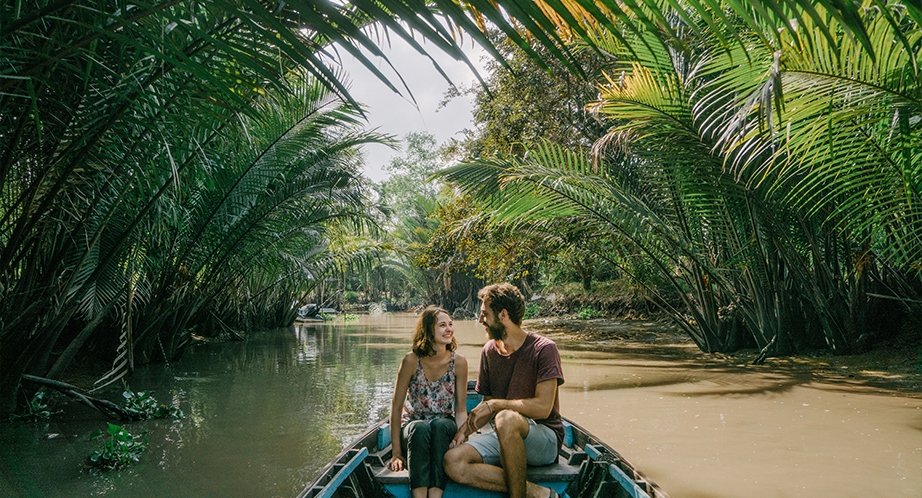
x=165 y=171
x=177 y=167
x=775 y=184
x=523 y=103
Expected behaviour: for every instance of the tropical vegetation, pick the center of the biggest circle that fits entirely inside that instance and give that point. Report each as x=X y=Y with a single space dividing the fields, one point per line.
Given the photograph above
x=169 y=170
x=173 y=169
x=773 y=182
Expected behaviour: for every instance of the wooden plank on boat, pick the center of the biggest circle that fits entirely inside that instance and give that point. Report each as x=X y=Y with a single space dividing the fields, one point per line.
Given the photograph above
x=626 y=482
x=557 y=472
x=329 y=489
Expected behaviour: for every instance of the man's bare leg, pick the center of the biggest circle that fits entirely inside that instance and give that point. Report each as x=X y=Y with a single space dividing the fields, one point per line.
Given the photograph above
x=511 y=430
x=464 y=465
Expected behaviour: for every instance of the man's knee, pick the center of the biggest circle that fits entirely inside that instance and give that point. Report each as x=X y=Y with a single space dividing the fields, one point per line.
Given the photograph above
x=510 y=423
x=457 y=460
x=453 y=464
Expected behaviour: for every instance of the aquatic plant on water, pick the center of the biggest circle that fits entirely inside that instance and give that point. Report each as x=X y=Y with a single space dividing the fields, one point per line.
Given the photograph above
x=121 y=449
x=145 y=402
x=36 y=409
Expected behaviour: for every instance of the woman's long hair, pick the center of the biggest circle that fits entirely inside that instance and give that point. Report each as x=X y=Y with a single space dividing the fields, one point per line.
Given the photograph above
x=424 y=335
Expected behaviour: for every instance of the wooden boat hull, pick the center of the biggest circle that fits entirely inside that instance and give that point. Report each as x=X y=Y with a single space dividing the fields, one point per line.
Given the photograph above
x=586 y=467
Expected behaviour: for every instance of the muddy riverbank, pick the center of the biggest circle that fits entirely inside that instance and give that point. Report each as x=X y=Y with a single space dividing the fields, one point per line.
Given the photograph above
x=894 y=363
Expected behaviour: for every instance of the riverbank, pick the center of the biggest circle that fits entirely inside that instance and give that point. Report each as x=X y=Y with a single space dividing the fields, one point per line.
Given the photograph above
x=891 y=364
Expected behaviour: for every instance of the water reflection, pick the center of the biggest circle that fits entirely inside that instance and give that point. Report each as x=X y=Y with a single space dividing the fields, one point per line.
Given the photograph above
x=308 y=350
x=262 y=416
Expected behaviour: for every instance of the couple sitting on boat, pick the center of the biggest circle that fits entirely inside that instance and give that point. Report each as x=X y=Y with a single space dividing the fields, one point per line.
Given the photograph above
x=518 y=378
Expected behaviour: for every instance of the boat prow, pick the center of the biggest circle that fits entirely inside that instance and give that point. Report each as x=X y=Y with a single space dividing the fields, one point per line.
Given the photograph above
x=585 y=466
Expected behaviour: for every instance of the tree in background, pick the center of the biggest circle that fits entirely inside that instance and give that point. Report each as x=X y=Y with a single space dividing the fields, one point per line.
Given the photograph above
x=406 y=200
x=741 y=177
x=407 y=186
x=524 y=105
x=107 y=110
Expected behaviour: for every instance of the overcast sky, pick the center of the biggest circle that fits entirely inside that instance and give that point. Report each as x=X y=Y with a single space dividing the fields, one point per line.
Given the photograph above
x=396 y=115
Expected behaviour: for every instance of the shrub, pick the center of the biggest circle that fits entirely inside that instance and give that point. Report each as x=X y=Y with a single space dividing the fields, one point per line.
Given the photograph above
x=532 y=310
x=588 y=313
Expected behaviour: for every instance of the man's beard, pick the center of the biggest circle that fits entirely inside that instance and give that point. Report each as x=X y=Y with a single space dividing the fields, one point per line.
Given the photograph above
x=496 y=332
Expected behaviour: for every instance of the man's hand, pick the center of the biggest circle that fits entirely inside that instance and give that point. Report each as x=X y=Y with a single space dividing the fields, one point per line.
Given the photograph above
x=460 y=437
x=478 y=417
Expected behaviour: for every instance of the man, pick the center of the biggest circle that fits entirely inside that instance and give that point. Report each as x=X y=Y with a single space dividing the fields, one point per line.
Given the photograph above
x=519 y=375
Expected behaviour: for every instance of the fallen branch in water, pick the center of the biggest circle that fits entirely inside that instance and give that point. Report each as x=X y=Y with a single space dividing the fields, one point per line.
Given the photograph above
x=108 y=408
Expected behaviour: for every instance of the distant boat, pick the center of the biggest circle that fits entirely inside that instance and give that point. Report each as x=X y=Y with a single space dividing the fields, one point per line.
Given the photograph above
x=308 y=311
x=586 y=467
x=313 y=313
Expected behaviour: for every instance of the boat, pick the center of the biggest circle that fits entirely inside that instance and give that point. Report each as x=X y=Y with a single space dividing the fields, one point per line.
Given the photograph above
x=586 y=467
x=310 y=313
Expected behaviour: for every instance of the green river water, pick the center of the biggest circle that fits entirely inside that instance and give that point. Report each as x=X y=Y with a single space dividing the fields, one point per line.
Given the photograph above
x=264 y=415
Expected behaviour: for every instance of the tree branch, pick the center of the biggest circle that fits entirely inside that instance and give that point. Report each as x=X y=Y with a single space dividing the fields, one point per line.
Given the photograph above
x=108 y=408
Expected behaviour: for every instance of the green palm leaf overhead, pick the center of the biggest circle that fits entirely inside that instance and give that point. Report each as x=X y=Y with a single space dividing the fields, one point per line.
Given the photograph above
x=119 y=122
x=768 y=178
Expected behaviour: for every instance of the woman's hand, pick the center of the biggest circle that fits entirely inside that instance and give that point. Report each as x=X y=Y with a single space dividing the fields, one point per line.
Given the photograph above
x=396 y=464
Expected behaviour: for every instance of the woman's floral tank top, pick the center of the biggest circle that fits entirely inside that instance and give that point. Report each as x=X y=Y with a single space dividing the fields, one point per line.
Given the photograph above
x=428 y=400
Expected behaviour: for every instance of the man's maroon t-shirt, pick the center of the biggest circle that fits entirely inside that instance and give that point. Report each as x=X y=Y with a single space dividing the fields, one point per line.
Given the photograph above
x=516 y=376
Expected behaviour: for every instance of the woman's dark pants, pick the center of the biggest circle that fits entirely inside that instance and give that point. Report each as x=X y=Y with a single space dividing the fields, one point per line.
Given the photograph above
x=425 y=444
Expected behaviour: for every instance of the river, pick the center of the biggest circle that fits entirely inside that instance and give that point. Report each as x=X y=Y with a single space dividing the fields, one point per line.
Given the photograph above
x=262 y=416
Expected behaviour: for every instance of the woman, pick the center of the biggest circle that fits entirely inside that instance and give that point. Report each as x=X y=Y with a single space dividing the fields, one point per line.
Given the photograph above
x=426 y=414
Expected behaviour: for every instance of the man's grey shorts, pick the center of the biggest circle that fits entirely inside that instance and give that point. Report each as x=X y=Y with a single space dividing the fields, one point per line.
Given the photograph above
x=540 y=445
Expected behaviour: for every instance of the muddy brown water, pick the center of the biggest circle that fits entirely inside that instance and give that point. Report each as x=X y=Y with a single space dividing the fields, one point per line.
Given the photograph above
x=262 y=416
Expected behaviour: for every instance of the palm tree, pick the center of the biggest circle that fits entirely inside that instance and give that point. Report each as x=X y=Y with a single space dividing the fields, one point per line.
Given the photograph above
x=110 y=113
x=126 y=167
x=762 y=165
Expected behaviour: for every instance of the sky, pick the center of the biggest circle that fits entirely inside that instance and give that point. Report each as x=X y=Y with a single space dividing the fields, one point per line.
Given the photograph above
x=397 y=115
